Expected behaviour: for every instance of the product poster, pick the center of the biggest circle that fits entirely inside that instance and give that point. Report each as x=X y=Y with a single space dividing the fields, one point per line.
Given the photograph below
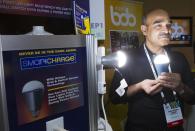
x=45 y=82
x=53 y=8
x=37 y=7
x=81 y=19
x=123 y=20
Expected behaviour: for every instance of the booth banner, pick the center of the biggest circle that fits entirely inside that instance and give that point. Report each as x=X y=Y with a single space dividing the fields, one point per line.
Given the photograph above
x=97 y=18
x=46 y=82
x=123 y=21
x=52 y=8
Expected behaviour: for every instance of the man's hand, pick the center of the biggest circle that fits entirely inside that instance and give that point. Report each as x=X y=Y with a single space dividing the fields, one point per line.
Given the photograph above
x=151 y=87
x=171 y=81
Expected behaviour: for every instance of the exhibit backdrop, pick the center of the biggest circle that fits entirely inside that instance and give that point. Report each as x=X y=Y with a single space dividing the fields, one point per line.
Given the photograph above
x=123 y=20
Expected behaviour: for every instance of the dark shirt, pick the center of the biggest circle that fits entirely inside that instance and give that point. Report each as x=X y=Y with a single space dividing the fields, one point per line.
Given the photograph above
x=147 y=110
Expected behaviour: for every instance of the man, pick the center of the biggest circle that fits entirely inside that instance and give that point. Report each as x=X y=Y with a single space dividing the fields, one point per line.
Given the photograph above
x=155 y=102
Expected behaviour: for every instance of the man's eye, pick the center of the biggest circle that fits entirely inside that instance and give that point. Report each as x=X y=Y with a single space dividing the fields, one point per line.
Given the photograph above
x=157 y=25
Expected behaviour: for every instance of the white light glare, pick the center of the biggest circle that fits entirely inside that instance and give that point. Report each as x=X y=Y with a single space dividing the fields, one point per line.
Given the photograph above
x=121 y=57
x=161 y=59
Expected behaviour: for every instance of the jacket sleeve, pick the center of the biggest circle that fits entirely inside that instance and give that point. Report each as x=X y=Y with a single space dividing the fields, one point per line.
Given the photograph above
x=187 y=78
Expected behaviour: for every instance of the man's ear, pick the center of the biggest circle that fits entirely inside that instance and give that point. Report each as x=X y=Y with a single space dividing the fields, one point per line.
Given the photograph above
x=144 y=29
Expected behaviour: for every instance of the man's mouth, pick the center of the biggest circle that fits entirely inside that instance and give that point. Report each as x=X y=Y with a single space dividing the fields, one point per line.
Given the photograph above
x=165 y=36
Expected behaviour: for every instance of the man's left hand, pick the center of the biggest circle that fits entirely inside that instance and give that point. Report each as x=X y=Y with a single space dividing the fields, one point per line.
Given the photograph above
x=171 y=80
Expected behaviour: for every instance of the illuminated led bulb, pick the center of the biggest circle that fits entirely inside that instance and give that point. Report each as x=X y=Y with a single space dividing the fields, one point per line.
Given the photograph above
x=116 y=59
x=161 y=59
x=122 y=59
x=161 y=63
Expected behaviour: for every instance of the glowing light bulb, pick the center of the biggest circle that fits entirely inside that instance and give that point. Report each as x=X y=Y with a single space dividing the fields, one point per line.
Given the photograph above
x=122 y=59
x=116 y=59
x=161 y=63
x=161 y=59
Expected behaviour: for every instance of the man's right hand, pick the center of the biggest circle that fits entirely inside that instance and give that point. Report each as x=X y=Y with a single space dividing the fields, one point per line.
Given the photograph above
x=150 y=87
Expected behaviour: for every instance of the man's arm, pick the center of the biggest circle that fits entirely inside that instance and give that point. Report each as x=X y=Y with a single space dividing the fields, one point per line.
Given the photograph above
x=173 y=82
x=150 y=87
x=185 y=92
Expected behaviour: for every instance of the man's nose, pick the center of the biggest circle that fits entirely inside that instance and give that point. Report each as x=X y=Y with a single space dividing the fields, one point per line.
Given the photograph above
x=166 y=29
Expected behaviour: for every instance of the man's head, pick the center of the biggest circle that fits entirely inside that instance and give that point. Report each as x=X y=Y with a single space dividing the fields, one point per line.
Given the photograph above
x=157 y=28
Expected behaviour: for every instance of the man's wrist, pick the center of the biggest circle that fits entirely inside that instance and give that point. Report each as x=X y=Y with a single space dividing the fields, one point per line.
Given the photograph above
x=181 y=90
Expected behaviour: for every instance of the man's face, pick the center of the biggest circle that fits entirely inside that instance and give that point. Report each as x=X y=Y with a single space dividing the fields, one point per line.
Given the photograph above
x=157 y=29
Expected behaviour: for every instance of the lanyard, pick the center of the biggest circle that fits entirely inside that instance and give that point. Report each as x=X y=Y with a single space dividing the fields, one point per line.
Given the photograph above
x=153 y=69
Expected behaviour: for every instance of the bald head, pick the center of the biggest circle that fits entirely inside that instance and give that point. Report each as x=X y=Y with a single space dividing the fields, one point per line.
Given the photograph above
x=155 y=13
x=157 y=29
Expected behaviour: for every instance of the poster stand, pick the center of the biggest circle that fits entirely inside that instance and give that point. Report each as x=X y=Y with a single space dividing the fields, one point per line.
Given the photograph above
x=57 y=74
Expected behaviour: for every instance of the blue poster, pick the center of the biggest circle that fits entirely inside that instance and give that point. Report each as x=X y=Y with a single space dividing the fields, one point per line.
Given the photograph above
x=45 y=83
x=81 y=18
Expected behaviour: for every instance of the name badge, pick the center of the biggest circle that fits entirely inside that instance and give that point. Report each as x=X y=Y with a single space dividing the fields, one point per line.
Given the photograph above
x=173 y=113
x=121 y=89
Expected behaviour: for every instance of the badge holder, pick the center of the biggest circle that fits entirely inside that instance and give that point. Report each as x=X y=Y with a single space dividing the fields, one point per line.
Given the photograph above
x=173 y=112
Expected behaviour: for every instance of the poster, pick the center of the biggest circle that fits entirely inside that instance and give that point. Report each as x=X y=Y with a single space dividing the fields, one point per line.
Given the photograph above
x=81 y=19
x=123 y=19
x=46 y=82
x=52 y=8
x=181 y=31
x=41 y=7
x=124 y=40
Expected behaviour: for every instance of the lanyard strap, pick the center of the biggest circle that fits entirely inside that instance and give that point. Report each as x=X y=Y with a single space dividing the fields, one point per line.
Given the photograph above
x=153 y=68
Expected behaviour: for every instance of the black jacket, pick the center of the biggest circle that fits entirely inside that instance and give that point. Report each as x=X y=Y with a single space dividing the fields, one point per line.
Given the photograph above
x=147 y=110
